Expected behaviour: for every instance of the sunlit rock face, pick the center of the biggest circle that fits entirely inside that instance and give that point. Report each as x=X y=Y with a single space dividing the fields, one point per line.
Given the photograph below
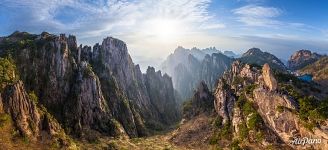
x=224 y=101
x=30 y=120
x=268 y=78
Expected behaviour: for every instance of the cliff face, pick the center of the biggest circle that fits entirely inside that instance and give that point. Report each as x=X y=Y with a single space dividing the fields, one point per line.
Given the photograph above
x=95 y=88
x=159 y=87
x=263 y=110
x=32 y=121
x=213 y=67
x=23 y=110
x=302 y=58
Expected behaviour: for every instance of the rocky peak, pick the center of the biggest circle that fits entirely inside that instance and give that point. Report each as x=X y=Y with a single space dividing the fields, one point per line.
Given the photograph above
x=180 y=49
x=253 y=51
x=114 y=44
x=268 y=77
x=255 y=56
x=302 y=58
x=230 y=54
x=71 y=41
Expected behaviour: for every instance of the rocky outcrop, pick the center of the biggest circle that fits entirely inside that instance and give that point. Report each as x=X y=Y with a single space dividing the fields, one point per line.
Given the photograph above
x=224 y=101
x=22 y=110
x=268 y=78
x=243 y=92
x=302 y=58
x=31 y=120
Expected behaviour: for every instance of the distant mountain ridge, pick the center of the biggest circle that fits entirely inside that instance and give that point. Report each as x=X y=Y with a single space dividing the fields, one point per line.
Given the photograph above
x=302 y=58
x=258 y=57
x=189 y=67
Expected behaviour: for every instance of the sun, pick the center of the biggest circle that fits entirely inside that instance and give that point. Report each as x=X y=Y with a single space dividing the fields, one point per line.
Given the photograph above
x=164 y=29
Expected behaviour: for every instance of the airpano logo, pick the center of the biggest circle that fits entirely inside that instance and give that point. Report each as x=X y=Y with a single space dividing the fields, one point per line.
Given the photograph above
x=305 y=141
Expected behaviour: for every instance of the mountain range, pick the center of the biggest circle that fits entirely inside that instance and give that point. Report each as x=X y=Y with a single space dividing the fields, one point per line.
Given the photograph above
x=84 y=89
x=56 y=94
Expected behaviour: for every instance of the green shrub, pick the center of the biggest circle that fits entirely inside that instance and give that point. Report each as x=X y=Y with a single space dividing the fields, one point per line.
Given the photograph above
x=248 y=108
x=218 y=121
x=312 y=111
x=235 y=145
x=226 y=130
x=32 y=96
x=255 y=121
x=259 y=136
x=214 y=139
x=245 y=105
x=250 y=88
x=8 y=73
x=243 y=130
x=238 y=80
x=290 y=90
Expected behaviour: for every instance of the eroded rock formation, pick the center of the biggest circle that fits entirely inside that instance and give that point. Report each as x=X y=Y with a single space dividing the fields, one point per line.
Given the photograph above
x=268 y=78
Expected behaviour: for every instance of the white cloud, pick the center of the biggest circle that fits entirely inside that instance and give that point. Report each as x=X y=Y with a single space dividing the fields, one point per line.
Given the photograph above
x=255 y=15
x=104 y=16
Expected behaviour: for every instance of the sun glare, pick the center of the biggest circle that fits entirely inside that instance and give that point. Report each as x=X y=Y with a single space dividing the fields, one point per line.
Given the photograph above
x=164 y=29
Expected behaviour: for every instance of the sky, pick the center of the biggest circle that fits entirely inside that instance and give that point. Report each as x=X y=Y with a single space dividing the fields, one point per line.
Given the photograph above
x=152 y=29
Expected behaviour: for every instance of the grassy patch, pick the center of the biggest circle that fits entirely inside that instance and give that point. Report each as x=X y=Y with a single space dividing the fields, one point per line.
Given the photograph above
x=235 y=145
x=243 y=130
x=255 y=122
